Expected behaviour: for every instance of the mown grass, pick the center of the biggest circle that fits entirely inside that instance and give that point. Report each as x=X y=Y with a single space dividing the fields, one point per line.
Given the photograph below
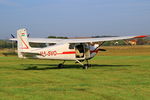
x=8 y=52
x=113 y=77
x=143 y=50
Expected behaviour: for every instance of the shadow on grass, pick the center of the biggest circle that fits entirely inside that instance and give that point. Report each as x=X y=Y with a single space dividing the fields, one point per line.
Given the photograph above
x=54 y=66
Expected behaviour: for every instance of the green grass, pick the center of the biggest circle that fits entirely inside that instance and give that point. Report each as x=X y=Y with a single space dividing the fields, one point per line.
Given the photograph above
x=110 y=78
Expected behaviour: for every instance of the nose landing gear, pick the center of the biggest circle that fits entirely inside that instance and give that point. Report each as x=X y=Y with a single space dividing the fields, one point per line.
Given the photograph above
x=84 y=66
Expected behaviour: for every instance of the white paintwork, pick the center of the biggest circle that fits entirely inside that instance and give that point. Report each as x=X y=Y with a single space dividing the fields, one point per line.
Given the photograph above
x=61 y=50
x=89 y=40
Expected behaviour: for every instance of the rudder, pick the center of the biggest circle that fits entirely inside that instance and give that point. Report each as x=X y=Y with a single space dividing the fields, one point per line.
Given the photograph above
x=23 y=44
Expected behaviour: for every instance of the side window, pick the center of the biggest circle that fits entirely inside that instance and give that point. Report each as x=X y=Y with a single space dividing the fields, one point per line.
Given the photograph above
x=51 y=44
x=71 y=46
x=37 y=45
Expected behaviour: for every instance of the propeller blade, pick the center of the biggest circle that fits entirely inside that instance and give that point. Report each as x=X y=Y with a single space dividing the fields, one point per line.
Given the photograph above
x=101 y=49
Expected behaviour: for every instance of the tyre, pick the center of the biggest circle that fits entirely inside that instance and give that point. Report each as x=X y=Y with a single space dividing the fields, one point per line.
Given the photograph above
x=85 y=66
x=60 y=66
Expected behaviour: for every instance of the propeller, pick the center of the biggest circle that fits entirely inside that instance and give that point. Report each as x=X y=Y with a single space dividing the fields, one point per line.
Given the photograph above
x=102 y=49
x=98 y=48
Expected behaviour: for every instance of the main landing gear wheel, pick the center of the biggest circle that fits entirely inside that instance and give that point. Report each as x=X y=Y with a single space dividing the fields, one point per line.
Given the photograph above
x=60 y=66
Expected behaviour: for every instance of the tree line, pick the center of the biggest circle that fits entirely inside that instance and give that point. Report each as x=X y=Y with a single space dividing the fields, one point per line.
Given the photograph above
x=7 y=44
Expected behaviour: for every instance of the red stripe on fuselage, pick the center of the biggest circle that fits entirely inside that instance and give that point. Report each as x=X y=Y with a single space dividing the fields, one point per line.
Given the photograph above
x=54 y=53
x=73 y=52
x=70 y=52
x=67 y=52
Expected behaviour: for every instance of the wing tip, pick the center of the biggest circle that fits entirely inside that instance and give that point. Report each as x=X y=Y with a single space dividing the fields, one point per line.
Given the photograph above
x=141 y=36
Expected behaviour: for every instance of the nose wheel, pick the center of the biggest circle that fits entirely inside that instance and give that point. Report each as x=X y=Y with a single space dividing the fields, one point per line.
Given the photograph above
x=84 y=66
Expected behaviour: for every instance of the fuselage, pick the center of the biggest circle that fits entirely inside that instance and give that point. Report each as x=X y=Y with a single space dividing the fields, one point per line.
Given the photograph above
x=81 y=51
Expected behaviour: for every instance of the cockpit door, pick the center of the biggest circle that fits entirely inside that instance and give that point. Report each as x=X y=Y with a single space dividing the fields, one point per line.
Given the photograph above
x=87 y=51
x=79 y=51
x=82 y=51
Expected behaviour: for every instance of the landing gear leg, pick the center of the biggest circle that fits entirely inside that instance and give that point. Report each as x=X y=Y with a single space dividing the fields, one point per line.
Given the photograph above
x=61 y=64
x=89 y=65
x=85 y=66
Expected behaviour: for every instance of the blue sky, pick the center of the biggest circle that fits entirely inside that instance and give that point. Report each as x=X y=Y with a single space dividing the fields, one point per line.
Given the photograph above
x=72 y=18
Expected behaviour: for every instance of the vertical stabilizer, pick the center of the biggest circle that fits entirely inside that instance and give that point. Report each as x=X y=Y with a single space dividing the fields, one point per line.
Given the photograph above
x=23 y=44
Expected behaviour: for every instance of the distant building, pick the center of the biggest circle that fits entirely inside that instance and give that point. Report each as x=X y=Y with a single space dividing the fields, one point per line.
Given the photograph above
x=131 y=42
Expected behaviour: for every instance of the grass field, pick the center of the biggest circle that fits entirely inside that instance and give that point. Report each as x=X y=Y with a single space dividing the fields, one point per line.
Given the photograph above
x=123 y=74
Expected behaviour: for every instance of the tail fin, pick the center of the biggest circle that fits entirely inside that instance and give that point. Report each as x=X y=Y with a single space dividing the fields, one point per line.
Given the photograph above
x=23 y=44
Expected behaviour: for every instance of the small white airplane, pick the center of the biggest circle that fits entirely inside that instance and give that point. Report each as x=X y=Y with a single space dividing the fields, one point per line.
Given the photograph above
x=77 y=50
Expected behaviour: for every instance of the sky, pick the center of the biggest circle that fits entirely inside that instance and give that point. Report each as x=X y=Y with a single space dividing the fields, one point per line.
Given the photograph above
x=75 y=18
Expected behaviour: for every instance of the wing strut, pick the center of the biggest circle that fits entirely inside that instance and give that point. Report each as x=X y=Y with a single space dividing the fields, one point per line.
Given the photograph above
x=99 y=46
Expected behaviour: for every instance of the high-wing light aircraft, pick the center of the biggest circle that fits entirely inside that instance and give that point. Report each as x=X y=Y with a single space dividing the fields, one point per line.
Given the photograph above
x=77 y=50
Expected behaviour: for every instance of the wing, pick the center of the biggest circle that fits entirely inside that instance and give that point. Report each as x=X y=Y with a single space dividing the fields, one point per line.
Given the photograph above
x=40 y=40
x=88 y=40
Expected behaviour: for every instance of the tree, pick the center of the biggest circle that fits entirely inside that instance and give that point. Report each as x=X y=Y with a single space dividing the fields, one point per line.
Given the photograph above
x=58 y=37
